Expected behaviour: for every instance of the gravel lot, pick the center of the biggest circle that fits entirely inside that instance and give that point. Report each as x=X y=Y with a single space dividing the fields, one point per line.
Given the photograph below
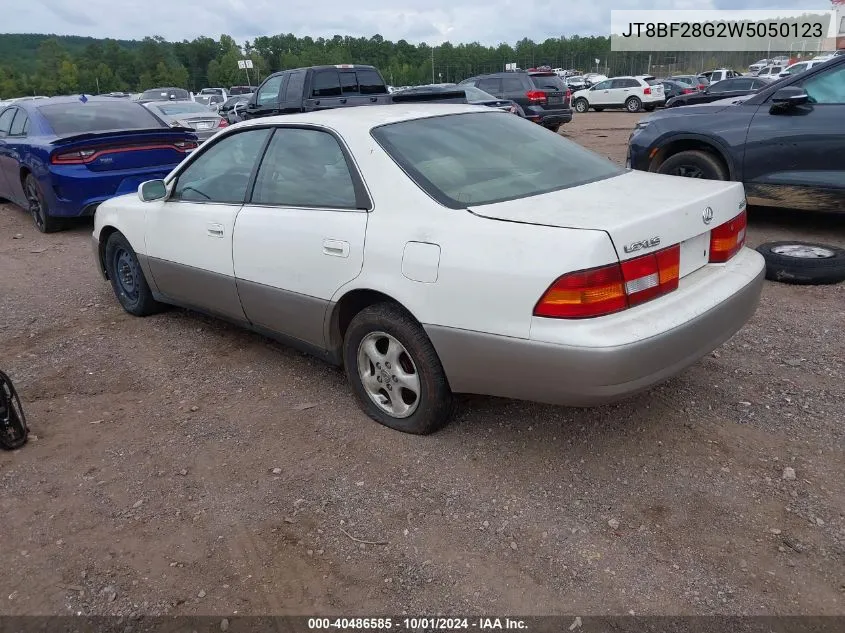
x=181 y=466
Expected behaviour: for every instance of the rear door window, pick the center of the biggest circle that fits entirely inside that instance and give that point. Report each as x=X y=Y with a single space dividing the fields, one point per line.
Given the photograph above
x=493 y=85
x=741 y=84
x=511 y=84
x=326 y=84
x=293 y=92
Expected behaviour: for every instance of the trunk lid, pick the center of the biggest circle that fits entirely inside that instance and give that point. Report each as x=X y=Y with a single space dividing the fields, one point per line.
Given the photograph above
x=120 y=150
x=640 y=211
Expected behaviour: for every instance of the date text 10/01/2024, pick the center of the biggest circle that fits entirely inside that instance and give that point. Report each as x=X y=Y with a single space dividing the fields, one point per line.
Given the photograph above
x=432 y=623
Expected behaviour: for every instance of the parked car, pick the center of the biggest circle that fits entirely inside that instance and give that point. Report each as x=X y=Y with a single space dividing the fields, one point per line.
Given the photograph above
x=455 y=263
x=317 y=88
x=165 y=94
x=575 y=82
x=591 y=79
x=699 y=82
x=672 y=88
x=218 y=92
x=725 y=89
x=800 y=67
x=781 y=142
x=759 y=65
x=630 y=93
x=718 y=75
x=471 y=95
x=187 y=114
x=772 y=72
x=62 y=157
x=542 y=96
x=227 y=109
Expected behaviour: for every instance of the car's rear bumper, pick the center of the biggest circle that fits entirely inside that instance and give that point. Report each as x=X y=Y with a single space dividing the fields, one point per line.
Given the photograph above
x=607 y=358
x=77 y=191
x=549 y=118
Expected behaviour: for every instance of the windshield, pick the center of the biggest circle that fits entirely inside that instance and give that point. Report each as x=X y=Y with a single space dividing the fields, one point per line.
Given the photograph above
x=477 y=94
x=97 y=116
x=188 y=107
x=482 y=158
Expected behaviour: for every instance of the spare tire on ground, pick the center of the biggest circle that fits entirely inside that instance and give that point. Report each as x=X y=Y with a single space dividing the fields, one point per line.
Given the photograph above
x=796 y=262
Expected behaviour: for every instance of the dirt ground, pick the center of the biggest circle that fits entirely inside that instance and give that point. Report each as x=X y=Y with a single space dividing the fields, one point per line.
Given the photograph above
x=181 y=466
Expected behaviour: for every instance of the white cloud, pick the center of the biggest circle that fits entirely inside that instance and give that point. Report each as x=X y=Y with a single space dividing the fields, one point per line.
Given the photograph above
x=487 y=21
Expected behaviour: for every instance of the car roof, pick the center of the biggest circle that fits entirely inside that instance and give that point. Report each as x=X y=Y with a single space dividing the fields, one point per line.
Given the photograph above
x=346 y=120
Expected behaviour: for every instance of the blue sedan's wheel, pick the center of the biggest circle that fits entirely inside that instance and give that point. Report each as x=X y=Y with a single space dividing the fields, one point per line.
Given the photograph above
x=38 y=208
x=127 y=278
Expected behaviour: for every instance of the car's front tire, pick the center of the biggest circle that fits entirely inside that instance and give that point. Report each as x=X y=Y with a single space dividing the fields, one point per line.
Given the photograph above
x=127 y=279
x=395 y=372
x=694 y=164
x=581 y=105
x=38 y=207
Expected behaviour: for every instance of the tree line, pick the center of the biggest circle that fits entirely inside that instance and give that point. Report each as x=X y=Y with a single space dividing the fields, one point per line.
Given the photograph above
x=52 y=65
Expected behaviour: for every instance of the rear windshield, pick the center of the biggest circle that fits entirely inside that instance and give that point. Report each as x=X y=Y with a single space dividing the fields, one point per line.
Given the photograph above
x=97 y=116
x=186 y=107
x=480 y=158
x=651 y=81
x=550 y=81
x=159 y=93
x=240 y=90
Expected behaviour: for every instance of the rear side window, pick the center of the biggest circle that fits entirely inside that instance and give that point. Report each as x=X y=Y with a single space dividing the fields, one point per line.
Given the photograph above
x=459 y=159
x=19 y=125
x=741 y=84
x=510 y=84
x=547 y=82
x=6 y=117
x=296 y=83
x=98 y=116
x=370 y=83
x=326 y=84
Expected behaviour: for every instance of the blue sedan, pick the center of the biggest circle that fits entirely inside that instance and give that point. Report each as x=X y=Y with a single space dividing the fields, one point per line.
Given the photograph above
x=62 y=157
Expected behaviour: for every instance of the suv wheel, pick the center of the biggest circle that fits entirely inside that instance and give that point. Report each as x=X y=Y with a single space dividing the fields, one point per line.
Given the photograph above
x=633 y=104
x=581 y=105
x=694 y=164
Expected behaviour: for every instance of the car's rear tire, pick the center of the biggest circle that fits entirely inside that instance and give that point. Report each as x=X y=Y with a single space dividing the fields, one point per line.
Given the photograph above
x=694 y=164
x=804 y=263
x=395 y=372
x=581 y=105
x=126 y=277
x=633 y=104
x=38 y=207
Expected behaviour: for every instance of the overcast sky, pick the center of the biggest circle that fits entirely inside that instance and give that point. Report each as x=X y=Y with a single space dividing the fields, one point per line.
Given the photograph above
x=433 y=21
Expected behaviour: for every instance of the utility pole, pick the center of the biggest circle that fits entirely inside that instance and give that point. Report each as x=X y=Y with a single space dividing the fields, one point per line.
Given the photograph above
x=97 y=79
x=432 y=64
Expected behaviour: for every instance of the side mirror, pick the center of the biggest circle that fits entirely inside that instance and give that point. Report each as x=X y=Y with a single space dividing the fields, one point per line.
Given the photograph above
x=152 y=190
x=788 y=97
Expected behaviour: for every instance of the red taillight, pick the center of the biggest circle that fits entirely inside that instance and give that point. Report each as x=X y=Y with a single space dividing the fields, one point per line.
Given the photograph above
x=89 y=155
x=701 y=87
x=568 y=94
x=686 y=91
x=78 y=157
x=223 y=123
x=537 y=96
x=609 y=289
x=727 y=239
x=647 y=90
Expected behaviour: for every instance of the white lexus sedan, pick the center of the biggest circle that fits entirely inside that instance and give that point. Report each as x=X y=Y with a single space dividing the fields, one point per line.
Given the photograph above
x=439 y=249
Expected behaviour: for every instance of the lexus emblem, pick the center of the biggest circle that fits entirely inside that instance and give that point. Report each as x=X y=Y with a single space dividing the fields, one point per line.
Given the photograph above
x=707 y=215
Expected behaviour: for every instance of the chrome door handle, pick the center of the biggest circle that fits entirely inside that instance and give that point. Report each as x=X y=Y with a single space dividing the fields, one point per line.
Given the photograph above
x=336 y=248
x=215 y=230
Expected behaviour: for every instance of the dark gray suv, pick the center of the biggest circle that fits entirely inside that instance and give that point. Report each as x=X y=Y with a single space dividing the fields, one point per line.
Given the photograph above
x=542 y=95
